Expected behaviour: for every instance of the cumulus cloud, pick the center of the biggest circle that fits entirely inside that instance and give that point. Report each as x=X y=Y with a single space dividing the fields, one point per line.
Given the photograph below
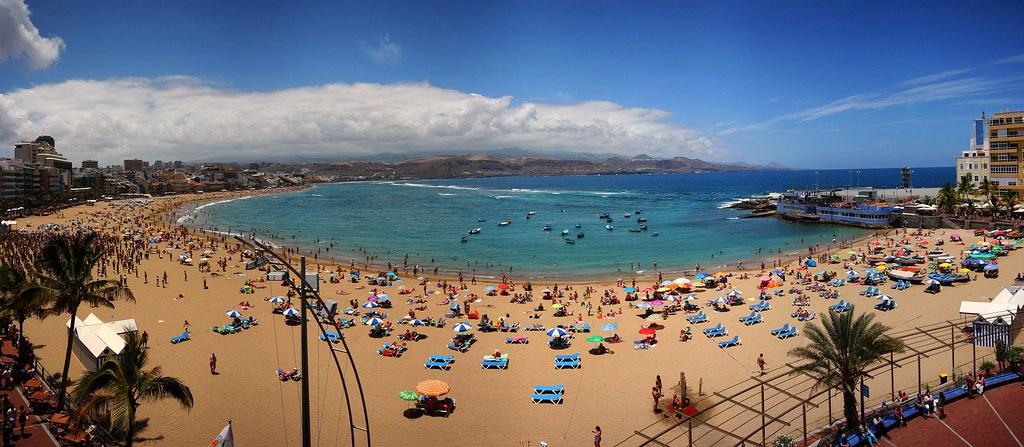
x=385 y=52
x=19 y=38
x=185 y=118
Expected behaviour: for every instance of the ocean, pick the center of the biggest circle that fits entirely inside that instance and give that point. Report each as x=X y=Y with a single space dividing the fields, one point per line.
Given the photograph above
x=425 y=220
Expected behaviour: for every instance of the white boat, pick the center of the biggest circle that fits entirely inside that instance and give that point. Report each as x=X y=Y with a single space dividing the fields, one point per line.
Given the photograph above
x=609 y=227
x=565 y=232
x=504 y=223
x=474 y=231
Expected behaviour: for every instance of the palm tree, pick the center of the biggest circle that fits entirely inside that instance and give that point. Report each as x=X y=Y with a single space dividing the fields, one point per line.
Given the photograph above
x=123 y=383
x=1010 y=200
x=18 y=300
x=965 y=188
x=946 y=199
x=990 y=190
x=65 y=281
x=841 y=350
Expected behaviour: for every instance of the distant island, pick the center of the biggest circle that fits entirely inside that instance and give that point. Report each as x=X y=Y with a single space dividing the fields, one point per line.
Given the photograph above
x=481 y=165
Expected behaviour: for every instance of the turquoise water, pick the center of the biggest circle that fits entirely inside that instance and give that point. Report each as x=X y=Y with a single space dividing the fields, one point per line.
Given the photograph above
x=425 y=221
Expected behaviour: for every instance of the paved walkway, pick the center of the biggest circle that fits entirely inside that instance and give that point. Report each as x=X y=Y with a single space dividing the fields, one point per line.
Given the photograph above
x=36 y=433
x=994 y=419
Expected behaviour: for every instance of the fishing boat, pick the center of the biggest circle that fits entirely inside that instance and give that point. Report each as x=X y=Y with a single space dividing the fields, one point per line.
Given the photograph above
x=504 y=223
x=464 y=239
x=947 y=279
x=626 y=215
x=569 y=241
x=579 y=235
x=579 y=226
x=634 y=230
x=641 y=219
x=531 y=213
x=936 y=254
x=905 y=275
x=565 y=232
x=474 y=231
x=643 y=227
x=547 y=227
x=604 y=216
x=609 y=227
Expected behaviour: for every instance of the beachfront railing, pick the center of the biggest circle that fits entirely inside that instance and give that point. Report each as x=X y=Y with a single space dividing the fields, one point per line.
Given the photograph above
x=99 y=434
x=757 y=410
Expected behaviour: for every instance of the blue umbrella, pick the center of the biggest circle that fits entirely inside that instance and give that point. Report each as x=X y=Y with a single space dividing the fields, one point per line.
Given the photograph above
x=608 y=327
x=277 y=300
x=370 y=305
x=701 y=276
x=374 y=321
x=454 y=307
x=884 y=297
x=234 y=314
x=557 y=332
x=291 y=312
x=462 y=327
x=629 y=290
x=490 y=288
x=383 y=297
x=734 y=292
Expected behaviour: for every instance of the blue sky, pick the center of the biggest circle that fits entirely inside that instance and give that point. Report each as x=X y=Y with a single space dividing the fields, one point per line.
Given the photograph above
x=807 y=84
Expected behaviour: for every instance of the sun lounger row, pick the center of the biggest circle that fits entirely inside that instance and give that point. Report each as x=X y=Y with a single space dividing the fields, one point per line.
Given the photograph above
x=886 y=304
x=870 y=291
x=442 y=362
x=785 y=331
x=761 y=306
x=901 y=285
x=548 y=394
x=331 y=336
x=841 y=306
x=751 y=319
x=392 y=350
x=571 y=361
x=699 y=317
x=716 y=331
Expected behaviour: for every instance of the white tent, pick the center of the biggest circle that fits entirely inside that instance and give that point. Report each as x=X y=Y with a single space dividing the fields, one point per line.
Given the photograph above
x=96 y=340
x=994 y=320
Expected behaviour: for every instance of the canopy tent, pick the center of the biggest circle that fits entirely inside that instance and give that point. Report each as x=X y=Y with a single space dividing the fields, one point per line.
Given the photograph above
x=96 y=340
x=995 y=319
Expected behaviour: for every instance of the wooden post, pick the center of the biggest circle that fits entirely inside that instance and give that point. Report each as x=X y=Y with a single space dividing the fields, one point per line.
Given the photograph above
x=682 y=385
x=700 y=387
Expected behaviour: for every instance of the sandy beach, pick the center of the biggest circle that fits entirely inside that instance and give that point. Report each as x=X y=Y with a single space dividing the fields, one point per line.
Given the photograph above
x=493 y=406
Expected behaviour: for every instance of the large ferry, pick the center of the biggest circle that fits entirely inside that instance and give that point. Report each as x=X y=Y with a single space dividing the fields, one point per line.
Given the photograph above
x=830 y=208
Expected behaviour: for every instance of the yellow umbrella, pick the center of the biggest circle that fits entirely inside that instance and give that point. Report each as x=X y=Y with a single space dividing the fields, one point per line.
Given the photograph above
x=945 y=265
x=663 y=289
x=719 y=274
x=682 y=281
x=881 y=267
x=965 y=270
x=556 y=306
x=433 y=388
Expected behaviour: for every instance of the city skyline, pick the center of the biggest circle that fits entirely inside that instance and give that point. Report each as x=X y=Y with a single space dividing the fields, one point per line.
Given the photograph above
x=722 y=82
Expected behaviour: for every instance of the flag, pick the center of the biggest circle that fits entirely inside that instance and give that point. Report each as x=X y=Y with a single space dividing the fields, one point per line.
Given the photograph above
x=226 y=438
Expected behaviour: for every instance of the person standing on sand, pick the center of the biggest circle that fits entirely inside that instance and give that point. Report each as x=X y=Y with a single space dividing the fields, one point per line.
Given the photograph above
x=657 y=383
x=145 y=340
x=213 y=363
x=597 y=436
x=656 y=395
x=761 y=363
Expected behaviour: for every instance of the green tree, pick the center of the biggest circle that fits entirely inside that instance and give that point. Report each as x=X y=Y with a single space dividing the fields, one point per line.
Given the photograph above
x=1010 y=199
x=123 y=383
x=65 y=281
x=946 y=199
x=840 y=351
x=965 y=188
x=19 y=303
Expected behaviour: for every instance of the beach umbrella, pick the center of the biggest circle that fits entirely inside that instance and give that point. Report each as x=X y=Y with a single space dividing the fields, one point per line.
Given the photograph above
x=884 y=297
x=719 y=300
x=504 y=286
x=933 y=282
x=370 y=305
x=689 y=297
x=991 y=267
x=852 y=272
x=646 y=331
x=629 y=290
x=734 y=292
x=701 y=276
x=416 y=322
x=490 y=288
x=383 y=297
x=657 y=303
x=374 y=321
x=595 y=339
x=557 y=306
x=408 y=395
x=664 y=289
x=608 y=327
x=234 y=314
x=454 y=307
x=433 y=388
x=277 y=300
x=666 y=283
x=462 y=327
x=545 y=291
x=291 y=312
x=557 y=332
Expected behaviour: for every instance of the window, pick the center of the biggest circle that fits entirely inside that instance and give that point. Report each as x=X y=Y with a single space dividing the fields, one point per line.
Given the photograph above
x=1004 y=169
x=975 y=178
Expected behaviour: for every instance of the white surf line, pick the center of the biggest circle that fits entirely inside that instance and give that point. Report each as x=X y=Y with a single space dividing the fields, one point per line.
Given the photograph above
x=1001 y=420
x=954 y=432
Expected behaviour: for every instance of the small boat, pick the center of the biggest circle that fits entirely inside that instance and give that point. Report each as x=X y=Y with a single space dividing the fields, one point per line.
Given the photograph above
x=578 y=226
x=579 y=235
x=947 y=279
x=935 y=254
x=604 y=216
x=609 y=220
x=569 y=241
x=530 y=213
x=905 y=275
x=504 y=223
x=643 y=227
x=637 y=212
x=464 y=239
x=474 y=231
x=635 y=230
x=609 y=227
x=547 y=227
x=641 y=219
x=654 y=234
x=565 y=232
x=626 y=215
x=481 y=220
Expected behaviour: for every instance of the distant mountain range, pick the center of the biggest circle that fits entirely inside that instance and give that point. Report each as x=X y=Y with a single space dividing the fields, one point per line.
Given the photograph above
x=489 y=165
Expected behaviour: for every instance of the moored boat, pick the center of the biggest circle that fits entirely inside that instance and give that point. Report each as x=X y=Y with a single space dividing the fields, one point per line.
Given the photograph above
x=474 y=231
x=609 y=227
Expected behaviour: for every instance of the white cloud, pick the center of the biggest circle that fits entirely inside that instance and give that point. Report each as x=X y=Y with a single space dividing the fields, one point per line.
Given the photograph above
x=385 y=52
x=20 y=38
x=185 y=118
x=930 y=92
x=1011 y=60
x=928 y=79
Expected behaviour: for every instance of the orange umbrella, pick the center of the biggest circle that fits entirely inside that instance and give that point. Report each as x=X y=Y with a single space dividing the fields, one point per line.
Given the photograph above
x=433 y=388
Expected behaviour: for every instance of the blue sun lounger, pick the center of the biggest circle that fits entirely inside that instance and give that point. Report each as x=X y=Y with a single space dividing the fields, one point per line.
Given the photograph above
x=184 y=336
x=779 y=330
x=442 y=358
x=431 y=364
x=791 y=332
x=841 y=306
x=760 y=306
x=547 y=398
x=494 y=364
x=699 y=317
x=734 y=341
x=718 y=332
x=714 y=328
x=571 y=364
x=549 y=389
x=749 y=316
x=567 y=357
x=330 y=336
